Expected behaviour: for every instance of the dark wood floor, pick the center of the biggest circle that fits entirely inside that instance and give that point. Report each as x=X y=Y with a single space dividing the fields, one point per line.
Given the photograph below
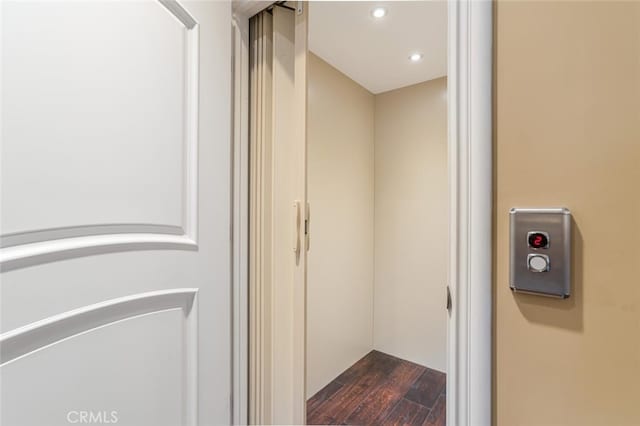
x=381 y=390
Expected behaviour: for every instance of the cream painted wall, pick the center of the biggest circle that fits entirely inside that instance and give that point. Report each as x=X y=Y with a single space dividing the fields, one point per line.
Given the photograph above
x=391 y=299
x=411 y=223
x=568 y=134
x=340 y=191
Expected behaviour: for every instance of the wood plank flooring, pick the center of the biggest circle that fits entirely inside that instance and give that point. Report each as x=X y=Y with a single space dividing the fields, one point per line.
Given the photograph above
x=381 y=389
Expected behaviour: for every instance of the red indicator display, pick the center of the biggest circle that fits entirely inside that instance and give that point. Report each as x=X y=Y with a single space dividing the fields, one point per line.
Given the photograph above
x=538 y=240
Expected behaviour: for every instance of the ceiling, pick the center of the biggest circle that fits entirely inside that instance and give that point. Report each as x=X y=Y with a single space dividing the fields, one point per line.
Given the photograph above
x=375 y=52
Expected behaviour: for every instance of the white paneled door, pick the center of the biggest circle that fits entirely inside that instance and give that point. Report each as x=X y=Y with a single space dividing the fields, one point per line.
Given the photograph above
x=115 y=213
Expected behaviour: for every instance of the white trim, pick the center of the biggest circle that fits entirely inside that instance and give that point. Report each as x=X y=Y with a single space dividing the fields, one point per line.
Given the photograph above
x=242 y=11
x=191 y=129
x=24 y=341
x=470 y=168
x=180 y=13
x=42 y=235
x=21 y=256
x=240 y=218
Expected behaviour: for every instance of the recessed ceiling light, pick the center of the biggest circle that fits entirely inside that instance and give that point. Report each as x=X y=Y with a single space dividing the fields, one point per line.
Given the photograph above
x=415 y=57
x=379 y=12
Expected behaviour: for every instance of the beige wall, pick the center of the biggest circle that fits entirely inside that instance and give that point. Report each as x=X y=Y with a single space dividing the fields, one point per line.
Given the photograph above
x=568 y=99
x=400 y=311
x=411 y=231
x=340 y=191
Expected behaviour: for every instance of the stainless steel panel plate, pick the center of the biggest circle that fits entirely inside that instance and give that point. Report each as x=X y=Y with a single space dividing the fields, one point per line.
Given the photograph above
x=528 y=273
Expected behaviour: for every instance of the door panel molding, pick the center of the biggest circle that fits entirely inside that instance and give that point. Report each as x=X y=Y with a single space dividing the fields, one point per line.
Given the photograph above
x=37 y=336
x=39 y=236
x=25 y=255
x=41 y=334
x=180 y=13
x=36 y=246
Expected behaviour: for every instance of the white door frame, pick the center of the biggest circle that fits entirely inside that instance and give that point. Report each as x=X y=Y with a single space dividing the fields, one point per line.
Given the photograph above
x=469 y=338
x=469 y=351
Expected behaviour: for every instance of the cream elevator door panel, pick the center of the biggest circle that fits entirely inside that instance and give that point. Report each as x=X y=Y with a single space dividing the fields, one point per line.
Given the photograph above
x=115 y=189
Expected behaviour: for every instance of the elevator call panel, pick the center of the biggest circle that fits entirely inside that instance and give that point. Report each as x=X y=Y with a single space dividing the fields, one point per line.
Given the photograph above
x=540 y=252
